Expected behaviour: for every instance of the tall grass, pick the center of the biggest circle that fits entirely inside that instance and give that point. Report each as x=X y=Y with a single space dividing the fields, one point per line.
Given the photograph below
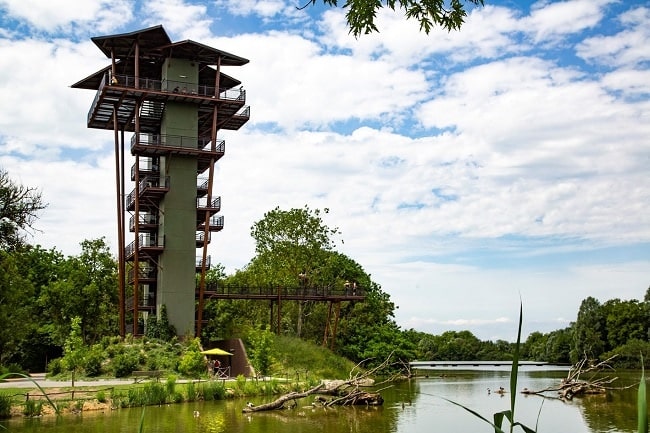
x=5 y=406
x=50 y=402
x=642 y=405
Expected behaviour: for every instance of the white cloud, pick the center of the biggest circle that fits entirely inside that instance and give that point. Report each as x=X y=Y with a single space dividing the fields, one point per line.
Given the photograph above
x=40 y=112
x=70 y=17
x=625 y=48
x=182 y=20
x=552 y=20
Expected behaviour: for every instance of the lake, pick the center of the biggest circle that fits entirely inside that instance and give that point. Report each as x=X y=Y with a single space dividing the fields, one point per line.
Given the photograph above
x=414 y=406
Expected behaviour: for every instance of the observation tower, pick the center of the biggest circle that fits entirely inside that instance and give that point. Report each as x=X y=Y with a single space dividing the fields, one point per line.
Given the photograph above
x=166 y=103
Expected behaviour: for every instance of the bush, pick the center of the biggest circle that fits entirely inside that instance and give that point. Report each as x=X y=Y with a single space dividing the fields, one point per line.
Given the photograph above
x=5 y=406
x=33 y=408
x=192 y=364
x=55 y=367
x=93 y=361
x=124 y=364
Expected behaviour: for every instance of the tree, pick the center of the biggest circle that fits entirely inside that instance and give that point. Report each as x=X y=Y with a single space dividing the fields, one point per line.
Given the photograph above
x=19 y=206
x=261 y=350
x=25 y=272
x=361 y=14
x=558 y=346
x=588 y=331
x=624 y=320
x=15 y=306
x=74 y=350
x=291 y=248
x=86 y=287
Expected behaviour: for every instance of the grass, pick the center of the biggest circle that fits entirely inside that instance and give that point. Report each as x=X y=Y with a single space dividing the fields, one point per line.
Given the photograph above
x=54 y=406
x=296 y=359
x=641 y=404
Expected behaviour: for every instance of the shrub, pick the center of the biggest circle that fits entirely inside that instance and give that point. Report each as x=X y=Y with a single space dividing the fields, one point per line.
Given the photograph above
x=55 y=367
x=191 y=391
x=192 y=364
x=33 y=408
x=155 y=393
x=5 y=406
x=124 y=364
x=93 y=361
x=213 y=390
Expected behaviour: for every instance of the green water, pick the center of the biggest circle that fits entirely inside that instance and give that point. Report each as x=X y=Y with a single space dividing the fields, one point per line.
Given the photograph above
x=413 y=406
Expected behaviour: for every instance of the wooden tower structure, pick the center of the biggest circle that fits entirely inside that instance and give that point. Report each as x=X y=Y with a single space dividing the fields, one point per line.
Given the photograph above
x=172 y=98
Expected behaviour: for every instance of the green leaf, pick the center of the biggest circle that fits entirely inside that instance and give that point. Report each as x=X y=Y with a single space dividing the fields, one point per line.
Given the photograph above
x=642 y=405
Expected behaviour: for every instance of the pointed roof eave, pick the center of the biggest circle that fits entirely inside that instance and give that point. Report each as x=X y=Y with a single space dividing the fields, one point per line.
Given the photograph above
x=123 y=43
x=91 y=82
x=198 y=52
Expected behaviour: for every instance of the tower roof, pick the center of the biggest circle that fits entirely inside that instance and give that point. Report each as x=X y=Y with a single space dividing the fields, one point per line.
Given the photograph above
x=149 y=39
x=154 y=46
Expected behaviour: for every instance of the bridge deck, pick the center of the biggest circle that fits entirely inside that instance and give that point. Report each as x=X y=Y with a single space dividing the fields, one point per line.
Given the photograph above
x=322 y=294
x=446 y=364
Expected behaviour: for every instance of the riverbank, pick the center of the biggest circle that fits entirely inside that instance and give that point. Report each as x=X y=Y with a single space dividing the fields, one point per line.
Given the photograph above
x=57 y=397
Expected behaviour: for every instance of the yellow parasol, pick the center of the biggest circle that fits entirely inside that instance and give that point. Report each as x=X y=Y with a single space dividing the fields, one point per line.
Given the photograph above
x=216 y=351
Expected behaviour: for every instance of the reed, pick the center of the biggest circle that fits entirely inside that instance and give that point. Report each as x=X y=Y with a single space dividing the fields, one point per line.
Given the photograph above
x=641 y=404
x=50 y=402
x=5 y=406
x=499 y=417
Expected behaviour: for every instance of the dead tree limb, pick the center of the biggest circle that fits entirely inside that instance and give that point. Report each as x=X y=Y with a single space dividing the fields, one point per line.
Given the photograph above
x=573 y=385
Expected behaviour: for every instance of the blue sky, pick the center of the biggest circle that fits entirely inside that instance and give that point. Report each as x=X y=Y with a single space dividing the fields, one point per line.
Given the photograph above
x=465 y=170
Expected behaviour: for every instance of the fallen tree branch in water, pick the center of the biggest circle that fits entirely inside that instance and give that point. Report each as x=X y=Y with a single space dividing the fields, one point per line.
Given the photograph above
x=573 y=385
x=345 y=392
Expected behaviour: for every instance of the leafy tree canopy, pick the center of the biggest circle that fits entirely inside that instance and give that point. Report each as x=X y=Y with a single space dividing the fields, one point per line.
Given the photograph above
x=19 y=206
x=361 y=14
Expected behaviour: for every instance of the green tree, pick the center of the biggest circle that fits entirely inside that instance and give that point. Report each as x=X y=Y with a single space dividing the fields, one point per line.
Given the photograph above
x=261 y=350
x=361 y=14
x=624 y=320
x=589 y=337
x=36 y=268
x=534 y=348
x=291 y=248
x=74 y=350
x=86 y=287
x=16 y=308
x=19 y=206
x=367 y=330
x=558 y=346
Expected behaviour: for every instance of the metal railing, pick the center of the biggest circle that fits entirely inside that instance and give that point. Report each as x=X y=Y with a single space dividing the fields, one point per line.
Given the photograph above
x=146 y=240
x=202 y=203
x=180 y=87
x=178 y=141
x=199 y=262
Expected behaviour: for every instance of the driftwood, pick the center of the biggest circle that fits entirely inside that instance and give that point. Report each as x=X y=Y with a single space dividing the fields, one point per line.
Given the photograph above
x=341 y=392
x=573 y=385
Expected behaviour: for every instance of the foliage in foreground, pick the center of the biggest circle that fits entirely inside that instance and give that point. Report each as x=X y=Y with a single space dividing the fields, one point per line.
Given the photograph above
x=361 y=14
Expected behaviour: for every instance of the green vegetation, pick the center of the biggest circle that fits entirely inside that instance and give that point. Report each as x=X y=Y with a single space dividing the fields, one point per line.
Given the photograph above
x=63 y=310
x=641 y=404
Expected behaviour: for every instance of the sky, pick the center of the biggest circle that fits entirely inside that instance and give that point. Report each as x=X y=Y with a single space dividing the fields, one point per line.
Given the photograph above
x=467 y=171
